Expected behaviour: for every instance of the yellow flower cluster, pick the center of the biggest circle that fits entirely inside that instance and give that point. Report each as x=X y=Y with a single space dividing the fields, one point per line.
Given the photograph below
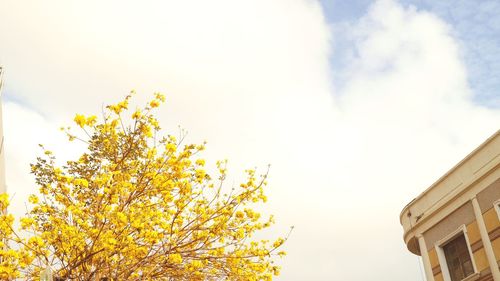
x=138 y=207
x=12 y=262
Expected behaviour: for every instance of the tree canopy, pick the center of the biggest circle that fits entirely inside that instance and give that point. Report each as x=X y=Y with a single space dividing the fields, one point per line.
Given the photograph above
x=137 y=206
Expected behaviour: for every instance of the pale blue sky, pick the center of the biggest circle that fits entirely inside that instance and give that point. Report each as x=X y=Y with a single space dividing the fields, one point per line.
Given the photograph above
x=476 y=27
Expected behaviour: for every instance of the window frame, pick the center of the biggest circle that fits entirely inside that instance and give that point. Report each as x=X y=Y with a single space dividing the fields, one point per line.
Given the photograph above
x=496 y=205
x=461 y=230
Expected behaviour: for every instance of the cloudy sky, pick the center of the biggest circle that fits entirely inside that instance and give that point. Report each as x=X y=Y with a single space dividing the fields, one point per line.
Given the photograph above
x=358 y=105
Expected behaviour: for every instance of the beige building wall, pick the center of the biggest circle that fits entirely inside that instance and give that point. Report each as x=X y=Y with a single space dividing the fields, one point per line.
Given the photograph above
x=3 y=187
x=465 y=201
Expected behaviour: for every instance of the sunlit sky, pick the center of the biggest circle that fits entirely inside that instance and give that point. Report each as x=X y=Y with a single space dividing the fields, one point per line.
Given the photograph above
x=357 y=105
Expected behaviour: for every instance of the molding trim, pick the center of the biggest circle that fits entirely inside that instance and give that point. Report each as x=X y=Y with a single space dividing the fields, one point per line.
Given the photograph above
x=449 y=203
x=494 y=234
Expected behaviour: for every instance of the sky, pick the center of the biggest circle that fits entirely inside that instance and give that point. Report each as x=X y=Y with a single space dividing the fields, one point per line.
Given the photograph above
x=475 y=28
x=357 y=105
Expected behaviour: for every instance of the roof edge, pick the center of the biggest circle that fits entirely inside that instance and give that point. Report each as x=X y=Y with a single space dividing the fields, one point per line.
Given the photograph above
x=449 y=172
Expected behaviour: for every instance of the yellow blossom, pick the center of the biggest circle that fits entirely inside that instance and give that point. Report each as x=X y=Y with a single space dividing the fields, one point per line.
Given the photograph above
x=154 y=103
x=141 y=206
x=175 y=258
x=33 y=199
x=80 y=120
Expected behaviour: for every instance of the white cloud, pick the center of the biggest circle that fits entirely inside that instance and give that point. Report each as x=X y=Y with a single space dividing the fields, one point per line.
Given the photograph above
x=24 y=130
x=476 y=28
x=252 y=78
x=406 y=101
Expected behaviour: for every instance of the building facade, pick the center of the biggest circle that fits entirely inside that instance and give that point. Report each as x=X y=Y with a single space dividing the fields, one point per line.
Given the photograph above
x=454 y=225
x=3 y=187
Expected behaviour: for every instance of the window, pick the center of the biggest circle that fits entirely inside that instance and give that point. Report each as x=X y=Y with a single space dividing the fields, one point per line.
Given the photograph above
x=458 y=259
x=455 y=257
x=497 y=208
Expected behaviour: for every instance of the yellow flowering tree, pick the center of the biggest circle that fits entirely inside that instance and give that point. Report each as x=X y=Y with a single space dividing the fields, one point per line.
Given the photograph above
x=12 y=261
x=137 y=206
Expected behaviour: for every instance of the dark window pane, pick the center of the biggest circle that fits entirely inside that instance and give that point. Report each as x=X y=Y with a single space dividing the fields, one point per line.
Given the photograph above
x=468 y=269
x=458 y=258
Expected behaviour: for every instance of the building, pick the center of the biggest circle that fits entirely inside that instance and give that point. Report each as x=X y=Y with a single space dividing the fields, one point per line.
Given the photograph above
x=454 y=225
x=3 y=187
